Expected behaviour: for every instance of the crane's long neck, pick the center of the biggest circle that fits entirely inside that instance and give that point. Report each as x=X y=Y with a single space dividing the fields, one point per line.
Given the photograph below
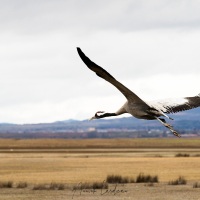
x=105 y=115
x=122 y=110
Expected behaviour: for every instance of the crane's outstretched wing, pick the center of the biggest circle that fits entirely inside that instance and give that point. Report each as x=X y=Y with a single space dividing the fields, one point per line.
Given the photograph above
x=177 y=105
x=105 y=75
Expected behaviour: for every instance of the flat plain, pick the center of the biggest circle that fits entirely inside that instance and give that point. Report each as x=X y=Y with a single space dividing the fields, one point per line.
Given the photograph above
x=70 y=162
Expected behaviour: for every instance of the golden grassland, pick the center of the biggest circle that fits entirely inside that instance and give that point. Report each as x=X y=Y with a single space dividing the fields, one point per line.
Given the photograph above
x=99 y=143
x=39 y=161
x=48 y=167
x=72 y=161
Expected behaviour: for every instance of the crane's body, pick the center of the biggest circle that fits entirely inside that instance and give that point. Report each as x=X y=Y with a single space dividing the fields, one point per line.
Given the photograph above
x=136 y=106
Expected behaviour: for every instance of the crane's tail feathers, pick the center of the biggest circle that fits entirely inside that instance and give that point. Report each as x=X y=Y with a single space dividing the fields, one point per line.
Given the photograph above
x=170 y=127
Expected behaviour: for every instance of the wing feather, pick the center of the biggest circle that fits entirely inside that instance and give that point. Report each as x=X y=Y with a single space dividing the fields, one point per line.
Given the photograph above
x=108 y=77
x=177 y=105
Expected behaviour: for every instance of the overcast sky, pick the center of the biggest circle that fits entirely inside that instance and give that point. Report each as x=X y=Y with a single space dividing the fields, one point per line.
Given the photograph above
x=152 y=47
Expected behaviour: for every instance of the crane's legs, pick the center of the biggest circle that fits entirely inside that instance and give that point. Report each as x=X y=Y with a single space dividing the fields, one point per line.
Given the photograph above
x=162 y=121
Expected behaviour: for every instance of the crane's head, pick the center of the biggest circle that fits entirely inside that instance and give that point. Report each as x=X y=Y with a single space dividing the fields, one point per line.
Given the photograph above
x=96 y=116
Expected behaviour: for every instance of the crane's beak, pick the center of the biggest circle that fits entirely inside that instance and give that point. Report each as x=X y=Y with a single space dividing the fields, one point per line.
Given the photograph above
x=92 y=118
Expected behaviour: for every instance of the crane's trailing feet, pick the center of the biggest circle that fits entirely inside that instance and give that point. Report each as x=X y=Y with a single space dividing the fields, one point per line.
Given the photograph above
x=170 y=127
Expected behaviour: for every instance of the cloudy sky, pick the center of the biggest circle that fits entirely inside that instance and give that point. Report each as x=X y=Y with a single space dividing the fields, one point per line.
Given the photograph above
x=152 y=47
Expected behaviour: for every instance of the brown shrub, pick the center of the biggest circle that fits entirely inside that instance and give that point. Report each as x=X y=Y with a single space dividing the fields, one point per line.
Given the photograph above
x=196 y=185
x=6 y=184
x=95 y=185
x=141 y=178
x=182 y=155
x=119 y=179
x=180 y=181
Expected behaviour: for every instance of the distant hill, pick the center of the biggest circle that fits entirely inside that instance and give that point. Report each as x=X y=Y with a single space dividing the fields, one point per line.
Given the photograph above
x=185 y=122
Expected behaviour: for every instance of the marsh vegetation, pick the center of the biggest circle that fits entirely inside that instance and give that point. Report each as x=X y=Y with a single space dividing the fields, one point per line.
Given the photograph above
x=52 y=169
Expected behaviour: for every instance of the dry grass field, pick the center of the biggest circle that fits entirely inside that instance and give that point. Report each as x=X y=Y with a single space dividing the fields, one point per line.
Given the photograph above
x=70 y=162
x=99 y=143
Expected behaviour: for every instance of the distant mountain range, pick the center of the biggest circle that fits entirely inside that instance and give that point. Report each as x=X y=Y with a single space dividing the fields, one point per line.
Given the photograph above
x=185 y=122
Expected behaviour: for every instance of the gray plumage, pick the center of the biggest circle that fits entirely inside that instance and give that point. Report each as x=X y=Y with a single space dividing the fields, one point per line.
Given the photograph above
x=136 y=106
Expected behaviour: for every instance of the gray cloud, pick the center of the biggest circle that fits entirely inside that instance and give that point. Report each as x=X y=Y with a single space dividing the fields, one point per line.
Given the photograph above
x=147 y=45
x=91 y=16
